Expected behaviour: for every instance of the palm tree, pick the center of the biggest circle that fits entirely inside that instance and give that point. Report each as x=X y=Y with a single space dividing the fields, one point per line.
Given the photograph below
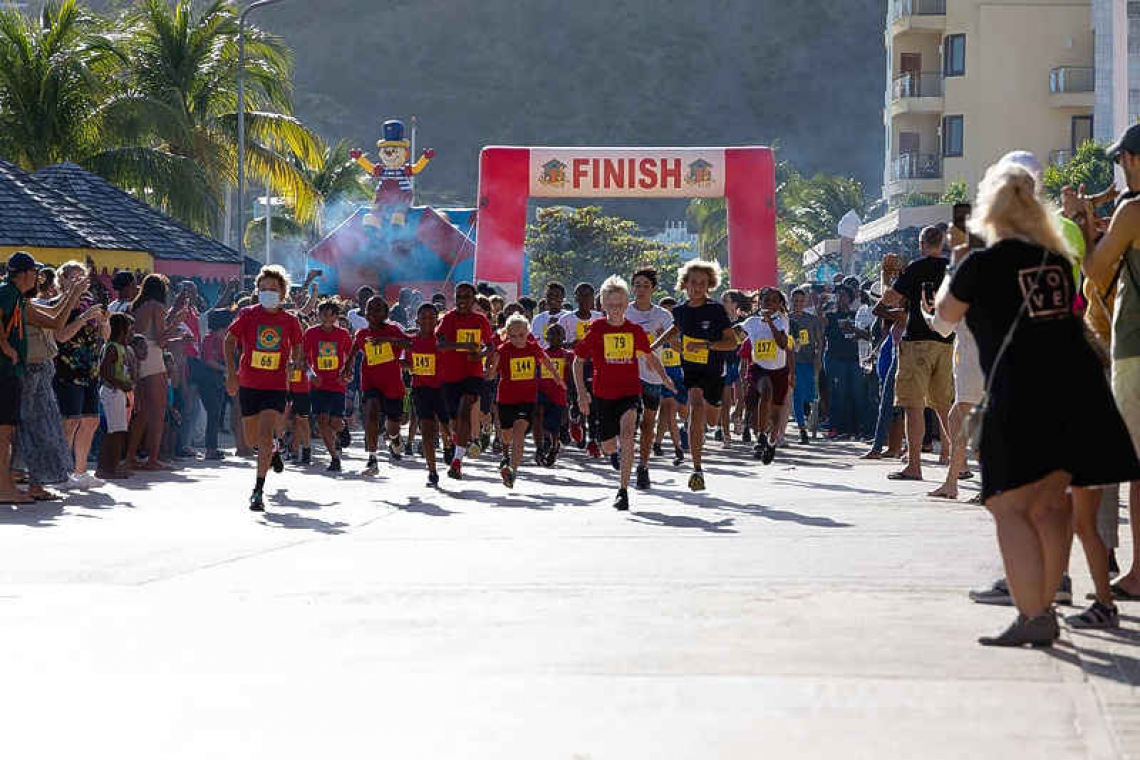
x=710 y=217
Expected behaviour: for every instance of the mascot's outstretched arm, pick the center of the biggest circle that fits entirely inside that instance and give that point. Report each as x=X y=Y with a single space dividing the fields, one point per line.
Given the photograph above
x=425 y=159
x=359 y=157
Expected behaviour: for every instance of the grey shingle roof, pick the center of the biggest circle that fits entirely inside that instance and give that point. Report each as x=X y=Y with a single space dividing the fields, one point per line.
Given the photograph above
x=32 y=213
x=159 y=234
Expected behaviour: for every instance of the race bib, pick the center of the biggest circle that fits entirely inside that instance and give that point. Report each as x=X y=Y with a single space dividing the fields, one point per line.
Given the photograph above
x=670 y=358
x=378 y=354
x=764 y=350
x=469 y=336
x=804 y=340
x=559 y=364
x=295 y=377
x=545 y=330
x=581 y=329
x=618 y=346
x=328 y=363
x=692 y=354
x=270 y=361
x=522 y=368
x=423 y=365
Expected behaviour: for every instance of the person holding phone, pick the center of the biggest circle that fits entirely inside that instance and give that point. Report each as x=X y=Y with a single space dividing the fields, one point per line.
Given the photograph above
x=925 y=358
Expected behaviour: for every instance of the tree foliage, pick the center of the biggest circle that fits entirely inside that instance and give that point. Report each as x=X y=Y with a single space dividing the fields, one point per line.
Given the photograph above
x=583 y=245
x=1089 y=166
x=956 y=192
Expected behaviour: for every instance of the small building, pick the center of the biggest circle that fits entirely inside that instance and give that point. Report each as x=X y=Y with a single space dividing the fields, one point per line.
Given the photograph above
x=554 y=172
x=700 y=172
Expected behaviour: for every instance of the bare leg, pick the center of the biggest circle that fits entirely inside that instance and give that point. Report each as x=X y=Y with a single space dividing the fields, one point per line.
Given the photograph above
x=1086 y=502
x=266 y=424
x=696 y=425
x=8 y=491
x=427 y=430
x=1131 y=581
x=628 y=424
x=915 y=430
x=156 y=418
x=371 y=425
x=949 y=488
x=83 y=438
x=518 y=440
x=648 y=425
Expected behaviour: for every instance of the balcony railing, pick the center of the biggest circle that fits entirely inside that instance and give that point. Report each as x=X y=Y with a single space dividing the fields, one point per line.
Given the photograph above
x=1072 y=79
x=913 y=85
x=1060 y=157
x=917 y=166
x=902 y=8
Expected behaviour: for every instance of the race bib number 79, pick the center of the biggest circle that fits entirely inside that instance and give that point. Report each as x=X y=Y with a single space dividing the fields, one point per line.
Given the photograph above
x=618 y=346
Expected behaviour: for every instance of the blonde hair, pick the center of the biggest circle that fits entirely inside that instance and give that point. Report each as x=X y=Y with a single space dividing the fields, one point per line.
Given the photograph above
x=68 y=266
x=614 y=284
x=1008 y=203
x=710 y=268
x=516 y=319
x=275 y=272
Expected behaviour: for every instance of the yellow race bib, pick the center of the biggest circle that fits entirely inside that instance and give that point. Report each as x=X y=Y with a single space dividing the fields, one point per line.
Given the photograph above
x=377 y=354
x=670 y=358
x=423 y=365
x=764 y=350
x=558 y=368
x=522 y=368
x=469 y=336
x=328 y=363
x=269 y=361
x=581 y=330
x=618 y=346
x=692 y=354
x=295 y=377
x=804 y=340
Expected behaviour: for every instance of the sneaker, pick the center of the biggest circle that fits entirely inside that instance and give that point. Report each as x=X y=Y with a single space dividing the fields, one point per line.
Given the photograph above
x=615 y=461
x=419 y=448
x=1038 y=632
x=344 y=438
x=594 y=450
x=373 y=468
x=657 y=450
x=758 y=450
x=803 y=438
x=474 y=450
x=448 y=453
x=507 y=474
x=576 y=432
x=769 y=453
x=540 y=457
x=306 y=457
x=678 y=457
x=256 y=504
x=746 y=436
x=276 y=463
x=1097 y=616
x=1064 y=595
x=642 y=478
x=433 y=479
x=552 y=454
x=394 y=450
x=485 y=440
x=697 y=481
x=718 y=435
x=87 y=480
x=621 y=500
x=334 y=466
x=496 y=446
x=685 y=438
x=996 y=594
x=455 y=471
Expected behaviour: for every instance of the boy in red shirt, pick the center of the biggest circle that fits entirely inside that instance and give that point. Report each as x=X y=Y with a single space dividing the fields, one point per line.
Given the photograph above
x=299 y=408
x=271 y=345
x=423 y=359
x=381 y=381
x=552 y=398
x=517 y=360
x=327 y=348
x=464 y=338
x=613 y=346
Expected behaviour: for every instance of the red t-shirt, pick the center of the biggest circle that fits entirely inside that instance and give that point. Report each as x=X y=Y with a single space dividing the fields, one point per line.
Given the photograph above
x=267 y=339
x=327 y=351
x=518 y=372
x=380 y=369
x=561 y=359
x=213 y=347
x=463 y=328
x=424 y=357
x=613 y=352
x=192 y=326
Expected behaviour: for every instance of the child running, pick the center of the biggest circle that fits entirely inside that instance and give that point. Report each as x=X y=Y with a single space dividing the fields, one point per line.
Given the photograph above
x=464 y=336
x=271 y=344
x=768 y=370
x=574 y=326
x=706 y=333
x=613 y=345
x=552 y=397
x=654 y=321
x=328 y=347
x=423 y=357
x=381 y=382
x=517 y=361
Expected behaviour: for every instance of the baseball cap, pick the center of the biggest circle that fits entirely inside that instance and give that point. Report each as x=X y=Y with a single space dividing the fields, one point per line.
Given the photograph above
x=1129 y=141
x=21 y=261
x=122 y=280
x=1026 y=161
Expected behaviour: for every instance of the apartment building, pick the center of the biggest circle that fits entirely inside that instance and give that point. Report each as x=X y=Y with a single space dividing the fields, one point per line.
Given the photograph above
x=1117 y=60
x=969 y=80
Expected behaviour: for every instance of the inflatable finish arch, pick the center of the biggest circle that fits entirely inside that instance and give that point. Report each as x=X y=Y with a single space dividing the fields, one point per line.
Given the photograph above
x=510 y=176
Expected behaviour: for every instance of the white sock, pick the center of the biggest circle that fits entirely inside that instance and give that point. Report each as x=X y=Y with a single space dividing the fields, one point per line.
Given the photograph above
x=459 y=452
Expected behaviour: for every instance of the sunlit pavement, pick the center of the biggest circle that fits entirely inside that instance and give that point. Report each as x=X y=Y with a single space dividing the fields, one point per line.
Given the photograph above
x=805 y=609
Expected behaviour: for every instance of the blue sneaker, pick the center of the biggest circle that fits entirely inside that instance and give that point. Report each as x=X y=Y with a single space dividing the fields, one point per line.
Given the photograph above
x=685 y=439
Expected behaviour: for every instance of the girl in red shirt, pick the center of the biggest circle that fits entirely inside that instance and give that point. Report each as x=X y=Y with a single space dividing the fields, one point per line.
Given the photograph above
x=423 y=361
x=517 y=361
x=327 y=346
x=552 y=399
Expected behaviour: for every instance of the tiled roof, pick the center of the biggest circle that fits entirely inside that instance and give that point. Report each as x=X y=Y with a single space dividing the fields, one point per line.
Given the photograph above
x=159 y=234
x=36 y=215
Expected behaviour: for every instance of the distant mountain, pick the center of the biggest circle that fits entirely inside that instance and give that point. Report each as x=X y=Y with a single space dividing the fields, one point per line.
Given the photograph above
x=805 y=75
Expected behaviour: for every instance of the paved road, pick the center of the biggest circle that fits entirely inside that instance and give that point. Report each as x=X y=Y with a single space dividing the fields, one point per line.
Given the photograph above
x=808 y=609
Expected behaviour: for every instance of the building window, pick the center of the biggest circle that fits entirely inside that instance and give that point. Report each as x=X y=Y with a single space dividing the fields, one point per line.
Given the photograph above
x=954 y=55
x=1082 y=131
x=952 y=137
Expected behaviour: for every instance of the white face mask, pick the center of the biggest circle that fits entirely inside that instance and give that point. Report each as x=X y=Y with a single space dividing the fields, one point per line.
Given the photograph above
x=270 y=299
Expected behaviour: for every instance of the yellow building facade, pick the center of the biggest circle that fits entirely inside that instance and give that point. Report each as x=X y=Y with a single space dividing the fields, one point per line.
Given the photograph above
x=970 y=80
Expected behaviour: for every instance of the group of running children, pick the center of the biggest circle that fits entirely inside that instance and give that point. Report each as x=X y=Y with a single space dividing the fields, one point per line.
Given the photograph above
x=568 y=375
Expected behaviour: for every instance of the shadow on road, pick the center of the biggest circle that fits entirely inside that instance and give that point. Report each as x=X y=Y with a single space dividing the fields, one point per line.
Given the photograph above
x=300 y=522
x=722 y=527
x=705 y=501
x=281 y=497
x=419 y=506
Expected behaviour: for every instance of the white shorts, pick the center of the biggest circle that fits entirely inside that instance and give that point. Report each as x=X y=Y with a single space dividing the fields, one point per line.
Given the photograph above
x=153 y=364
x=114 y=403
x=1126 y=389
x=969 y=380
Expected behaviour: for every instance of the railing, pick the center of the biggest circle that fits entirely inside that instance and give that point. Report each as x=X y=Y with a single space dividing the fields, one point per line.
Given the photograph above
x=917 y=166
x=913 y=85
x=1072 y=79
x=901 y=8
x=1060 y=157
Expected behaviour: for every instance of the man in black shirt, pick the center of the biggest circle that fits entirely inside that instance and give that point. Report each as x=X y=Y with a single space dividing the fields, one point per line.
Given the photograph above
x=925 y=359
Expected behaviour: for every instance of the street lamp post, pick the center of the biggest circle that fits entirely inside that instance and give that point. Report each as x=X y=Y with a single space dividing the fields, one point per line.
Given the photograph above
x=241 y=133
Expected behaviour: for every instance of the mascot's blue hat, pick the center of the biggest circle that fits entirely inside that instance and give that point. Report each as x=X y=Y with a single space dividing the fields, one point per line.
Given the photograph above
x=394 y=135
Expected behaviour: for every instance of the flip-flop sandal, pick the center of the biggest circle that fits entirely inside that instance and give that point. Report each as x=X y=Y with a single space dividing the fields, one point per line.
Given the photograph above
x=977 y=500
x=947 y=497
x=903 y=476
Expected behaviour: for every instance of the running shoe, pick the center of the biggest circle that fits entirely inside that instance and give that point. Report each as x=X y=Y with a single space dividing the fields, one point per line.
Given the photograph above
x=1098 y=616
x=996 y=594
x=474 y=450
x=697 y=481
x=803 y=438
x=373 y=468
x=306 y=457
x=642 y=478
x=276 y=462
x=344 y=438
x=615 y=461
x=419 y=448
x=594 y=450
x=334 y=466
x=433 y=479
x=678 y=457
x=657 y=450
x=394 y=451
x=746 y=436
x=718 y=435
x=621 y=501
x=1064 y=595
x=507 y=474
x=496 y=446
x=576 y=432
x=758 y=449
x=455 y=471
x=256 y=503
x=769 y=452
x=685 y=438
x=485 y=440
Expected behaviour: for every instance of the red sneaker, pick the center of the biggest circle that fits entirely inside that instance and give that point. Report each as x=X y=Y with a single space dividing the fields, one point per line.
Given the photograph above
x=593 y=450
x=576 y=432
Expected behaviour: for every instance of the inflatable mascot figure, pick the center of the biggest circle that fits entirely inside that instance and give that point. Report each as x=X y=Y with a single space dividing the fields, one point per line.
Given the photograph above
x=394 y=172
